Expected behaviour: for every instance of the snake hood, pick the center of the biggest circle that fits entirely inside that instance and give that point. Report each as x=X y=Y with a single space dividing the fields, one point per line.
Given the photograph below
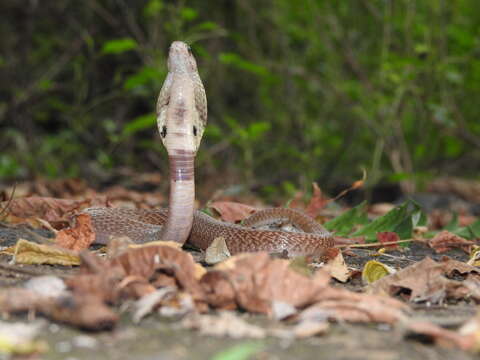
x=182 y=103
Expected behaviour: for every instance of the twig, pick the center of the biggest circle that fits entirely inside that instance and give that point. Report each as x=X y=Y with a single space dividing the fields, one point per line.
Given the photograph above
x=376 y=244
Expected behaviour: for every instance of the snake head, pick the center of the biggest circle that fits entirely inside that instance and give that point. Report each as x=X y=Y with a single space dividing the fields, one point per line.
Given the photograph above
x=180 y=58
x=182 y=103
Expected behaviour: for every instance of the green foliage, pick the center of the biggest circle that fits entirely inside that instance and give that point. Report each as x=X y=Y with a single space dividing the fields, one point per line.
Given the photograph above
x=297 y=91
x=344 y=224
x=140 y=123
x=119 y=46
x=402 y=220
x=470 y=232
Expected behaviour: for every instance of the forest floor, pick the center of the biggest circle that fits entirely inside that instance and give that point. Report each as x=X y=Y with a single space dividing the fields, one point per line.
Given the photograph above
x=160 y=337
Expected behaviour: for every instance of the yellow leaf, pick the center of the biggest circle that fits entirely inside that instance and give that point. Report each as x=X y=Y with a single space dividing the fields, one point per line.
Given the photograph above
x=474 y=256
x=27 y=252
x=374 y=270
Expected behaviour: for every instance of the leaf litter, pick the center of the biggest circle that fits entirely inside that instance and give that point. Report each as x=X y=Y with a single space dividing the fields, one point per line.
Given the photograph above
x=157 y=278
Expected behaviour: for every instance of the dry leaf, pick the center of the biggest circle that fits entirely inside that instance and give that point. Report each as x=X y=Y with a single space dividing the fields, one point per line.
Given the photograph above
x=138 y=272
x=388 y=237
x=14 y=300
x=148 y=303
x=27 y=252
x=217 y=251
x=374 y=270
x=343 y=305
x=232 y=211
x=426 y=281
x=317 y=202
x=441 y=336
x=78 y=237
x=446 y=240
x=47 y=208
x=254 y=281
x=47 y=285
x=474 y=259
x=337 y=268
x=86 y=312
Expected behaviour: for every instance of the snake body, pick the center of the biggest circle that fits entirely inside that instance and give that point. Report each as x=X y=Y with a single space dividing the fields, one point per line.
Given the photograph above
x=181 y=118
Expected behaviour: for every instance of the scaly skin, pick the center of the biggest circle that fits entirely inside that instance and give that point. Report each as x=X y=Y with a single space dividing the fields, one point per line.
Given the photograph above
x=182 y=117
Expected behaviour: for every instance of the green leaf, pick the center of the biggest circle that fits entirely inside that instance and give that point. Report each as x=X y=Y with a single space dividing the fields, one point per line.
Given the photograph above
x=153 y=7
x=207 y=25
x=344 y=223
x=140 y=123
x=257 y=129
x=469 y=232
x=188 y=13
x=237 y=61
x=143 y=76
x=239 y=352
x=402 y=219
x=119 y=46
x=453 y=223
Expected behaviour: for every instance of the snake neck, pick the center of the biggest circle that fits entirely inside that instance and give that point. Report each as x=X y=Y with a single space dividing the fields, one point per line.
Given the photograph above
x=182 y=197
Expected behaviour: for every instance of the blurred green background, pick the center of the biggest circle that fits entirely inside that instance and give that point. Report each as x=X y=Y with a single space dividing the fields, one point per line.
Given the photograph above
x=298 y=91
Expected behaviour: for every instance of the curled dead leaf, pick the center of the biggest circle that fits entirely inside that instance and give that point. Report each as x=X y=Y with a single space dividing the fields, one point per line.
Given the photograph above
x=79 y=237
x=232 y=211
x=445 y=240
x=27 y=252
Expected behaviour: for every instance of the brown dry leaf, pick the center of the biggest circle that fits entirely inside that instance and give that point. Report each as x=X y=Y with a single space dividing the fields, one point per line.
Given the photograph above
x=388 y=237
x=232 y=211
x=27 y=252
x=254 y=281
x=138 y=272
x=14 y=300
x=51 y=209
x=170 y=301
x=343 y=305
x=451 y=266
x=217 y=251
x=257 y=283
x=441 y=336
x=337 y=268
x=79 y=237
x=83 y=311
x=426 y=281
x=446 y=240
x=317 y=202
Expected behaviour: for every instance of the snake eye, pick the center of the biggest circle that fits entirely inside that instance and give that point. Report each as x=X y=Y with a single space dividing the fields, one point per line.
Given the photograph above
x=194 y=130
x=164 y=131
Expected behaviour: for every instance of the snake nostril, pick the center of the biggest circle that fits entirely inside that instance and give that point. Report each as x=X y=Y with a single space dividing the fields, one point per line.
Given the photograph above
x=194 y=130
x=164 y=131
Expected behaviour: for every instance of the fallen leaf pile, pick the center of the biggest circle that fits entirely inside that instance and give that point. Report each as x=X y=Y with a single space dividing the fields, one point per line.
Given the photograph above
x=302 y=299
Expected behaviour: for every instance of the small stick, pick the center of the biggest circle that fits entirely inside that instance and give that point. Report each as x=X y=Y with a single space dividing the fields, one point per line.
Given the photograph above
x=376 y=244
